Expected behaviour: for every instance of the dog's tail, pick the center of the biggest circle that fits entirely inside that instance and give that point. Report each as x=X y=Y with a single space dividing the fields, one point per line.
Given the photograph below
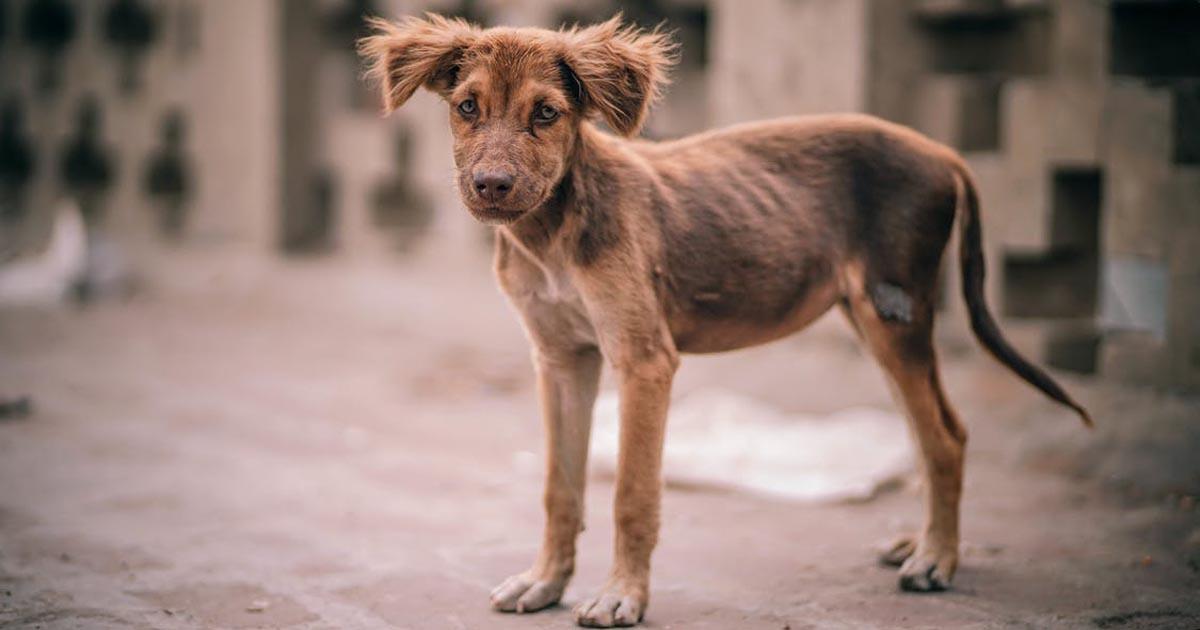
x=982 y=323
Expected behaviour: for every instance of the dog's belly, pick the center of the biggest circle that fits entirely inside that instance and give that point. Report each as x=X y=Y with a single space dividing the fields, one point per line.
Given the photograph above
x=700 y=330
x=744 y=269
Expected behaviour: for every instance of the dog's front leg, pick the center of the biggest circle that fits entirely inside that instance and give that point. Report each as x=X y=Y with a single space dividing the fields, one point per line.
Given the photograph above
x=645 y=388
x=567 y=382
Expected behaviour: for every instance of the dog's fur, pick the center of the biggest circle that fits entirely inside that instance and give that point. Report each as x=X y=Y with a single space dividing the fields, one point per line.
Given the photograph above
x=632 y=251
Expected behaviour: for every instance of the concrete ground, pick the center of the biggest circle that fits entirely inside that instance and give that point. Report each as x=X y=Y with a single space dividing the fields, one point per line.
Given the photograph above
x=350 y=445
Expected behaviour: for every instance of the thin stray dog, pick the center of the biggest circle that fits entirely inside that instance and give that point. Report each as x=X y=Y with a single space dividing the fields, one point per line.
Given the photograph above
x=635 y=251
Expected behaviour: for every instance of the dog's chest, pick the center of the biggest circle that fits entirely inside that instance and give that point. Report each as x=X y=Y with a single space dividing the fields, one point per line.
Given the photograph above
x=550 y=304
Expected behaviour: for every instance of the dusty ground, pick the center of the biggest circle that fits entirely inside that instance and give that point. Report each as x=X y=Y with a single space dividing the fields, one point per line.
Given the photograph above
x=330 y=445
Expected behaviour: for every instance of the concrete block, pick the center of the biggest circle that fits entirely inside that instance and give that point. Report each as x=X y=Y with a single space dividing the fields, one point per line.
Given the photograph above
x=1137 y=153
x=937 y=107
x=774 y=58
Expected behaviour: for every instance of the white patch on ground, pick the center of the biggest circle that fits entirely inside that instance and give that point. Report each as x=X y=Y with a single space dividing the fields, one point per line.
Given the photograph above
x=725 y=440
x=46 y=279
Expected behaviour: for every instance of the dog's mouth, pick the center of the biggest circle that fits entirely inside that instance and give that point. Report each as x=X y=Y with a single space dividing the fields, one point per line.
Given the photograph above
x=495 y=215
x=504 y=211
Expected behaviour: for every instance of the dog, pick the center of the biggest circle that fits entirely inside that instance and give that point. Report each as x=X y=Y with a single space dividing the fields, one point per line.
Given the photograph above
x=633 y=252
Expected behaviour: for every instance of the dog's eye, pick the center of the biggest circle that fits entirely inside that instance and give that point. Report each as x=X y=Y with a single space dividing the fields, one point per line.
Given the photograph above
x=545 y=114
x=467 y=107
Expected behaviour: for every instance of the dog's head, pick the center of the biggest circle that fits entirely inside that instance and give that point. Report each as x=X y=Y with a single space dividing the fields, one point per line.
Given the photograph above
x=518 y=96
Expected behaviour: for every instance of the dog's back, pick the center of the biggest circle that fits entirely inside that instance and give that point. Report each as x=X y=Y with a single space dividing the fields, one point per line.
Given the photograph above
x=758 y=220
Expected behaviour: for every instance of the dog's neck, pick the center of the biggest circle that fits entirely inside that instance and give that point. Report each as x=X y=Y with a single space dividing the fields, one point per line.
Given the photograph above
x=586 y=189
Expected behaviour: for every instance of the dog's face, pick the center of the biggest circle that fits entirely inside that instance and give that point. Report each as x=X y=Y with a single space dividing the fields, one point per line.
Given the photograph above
x=517 y=97
x=514 y=122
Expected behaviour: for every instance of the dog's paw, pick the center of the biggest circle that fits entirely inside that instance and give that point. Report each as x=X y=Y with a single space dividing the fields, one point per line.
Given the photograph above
x=523 y=592
x=894 y=554
x=928 y=569
x=614 y=606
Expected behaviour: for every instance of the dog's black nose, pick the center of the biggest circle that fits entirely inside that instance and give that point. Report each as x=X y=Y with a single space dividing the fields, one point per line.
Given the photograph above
x=493 y=185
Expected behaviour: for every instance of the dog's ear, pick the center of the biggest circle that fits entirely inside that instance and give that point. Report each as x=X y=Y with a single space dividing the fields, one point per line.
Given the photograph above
x=621 y=70
x=415 y=52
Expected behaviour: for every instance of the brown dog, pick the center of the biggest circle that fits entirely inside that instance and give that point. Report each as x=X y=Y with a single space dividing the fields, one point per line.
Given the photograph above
x=633 y=252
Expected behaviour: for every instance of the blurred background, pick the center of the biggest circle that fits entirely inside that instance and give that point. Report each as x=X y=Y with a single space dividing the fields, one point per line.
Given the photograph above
x=187 y=125
x=254 y=370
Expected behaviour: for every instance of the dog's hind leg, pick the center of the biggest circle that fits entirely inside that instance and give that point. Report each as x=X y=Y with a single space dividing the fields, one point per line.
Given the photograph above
x=567 y=383
x=903 y=346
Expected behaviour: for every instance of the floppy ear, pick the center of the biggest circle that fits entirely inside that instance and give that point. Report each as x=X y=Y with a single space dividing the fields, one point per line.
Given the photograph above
x=415 y=52
x=621 y=70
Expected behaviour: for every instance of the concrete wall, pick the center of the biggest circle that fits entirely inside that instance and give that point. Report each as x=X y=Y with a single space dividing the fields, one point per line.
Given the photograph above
x=1081 y=136
x=236 y=130
x=785 y=57
x=225 y=84
x=1071 y=123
